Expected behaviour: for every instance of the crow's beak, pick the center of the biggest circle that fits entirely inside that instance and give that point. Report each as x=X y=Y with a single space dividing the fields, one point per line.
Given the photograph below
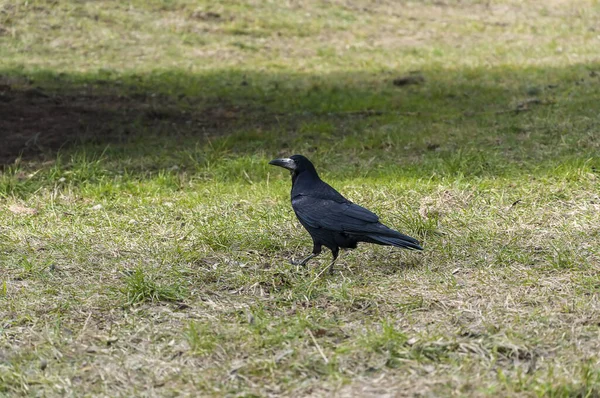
x=286 y=163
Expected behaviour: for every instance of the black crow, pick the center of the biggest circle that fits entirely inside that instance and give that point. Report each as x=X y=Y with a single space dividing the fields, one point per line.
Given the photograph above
x=332 y=220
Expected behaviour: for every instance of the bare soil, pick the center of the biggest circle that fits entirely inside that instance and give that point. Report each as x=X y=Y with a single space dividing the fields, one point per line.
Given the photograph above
x=35 y=122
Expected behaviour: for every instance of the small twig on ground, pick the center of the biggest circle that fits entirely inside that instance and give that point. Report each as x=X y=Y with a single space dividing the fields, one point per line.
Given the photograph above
x=319 y=275
x=84 y=327
x=317 y=345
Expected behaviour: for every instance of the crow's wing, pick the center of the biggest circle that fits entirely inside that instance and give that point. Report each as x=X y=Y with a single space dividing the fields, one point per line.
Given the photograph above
x=332 y=215
x=349 y=218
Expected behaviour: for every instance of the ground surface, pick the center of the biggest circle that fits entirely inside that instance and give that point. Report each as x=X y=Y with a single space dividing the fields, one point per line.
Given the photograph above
x=144 y=240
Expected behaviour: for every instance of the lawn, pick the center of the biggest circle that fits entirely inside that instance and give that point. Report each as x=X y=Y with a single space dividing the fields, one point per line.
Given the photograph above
x=145 y=241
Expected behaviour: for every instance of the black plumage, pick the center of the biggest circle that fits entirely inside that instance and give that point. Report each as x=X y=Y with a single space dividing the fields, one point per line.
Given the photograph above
x=332 y=220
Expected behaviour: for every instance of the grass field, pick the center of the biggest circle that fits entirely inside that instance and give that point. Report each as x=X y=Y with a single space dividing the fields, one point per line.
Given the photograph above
x=144 y=239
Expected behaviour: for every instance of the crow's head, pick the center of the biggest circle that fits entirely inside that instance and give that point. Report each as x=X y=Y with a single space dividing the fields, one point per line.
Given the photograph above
x=296 y=164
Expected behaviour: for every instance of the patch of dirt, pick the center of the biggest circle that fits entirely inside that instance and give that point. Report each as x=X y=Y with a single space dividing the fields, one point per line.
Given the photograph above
x=35 y=122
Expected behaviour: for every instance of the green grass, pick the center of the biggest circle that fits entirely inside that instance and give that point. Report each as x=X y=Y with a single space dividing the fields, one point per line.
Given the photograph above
x=144 y=239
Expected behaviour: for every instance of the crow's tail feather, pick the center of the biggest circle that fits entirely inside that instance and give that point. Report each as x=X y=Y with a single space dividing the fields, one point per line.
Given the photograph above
x=400 y=240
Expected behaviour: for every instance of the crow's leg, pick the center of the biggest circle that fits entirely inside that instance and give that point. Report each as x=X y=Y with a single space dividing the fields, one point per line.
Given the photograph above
x=304 y=260
x=335 y=253
x=316 y=251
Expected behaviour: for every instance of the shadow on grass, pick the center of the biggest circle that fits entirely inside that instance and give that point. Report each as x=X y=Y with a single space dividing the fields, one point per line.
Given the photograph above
x=528 y=115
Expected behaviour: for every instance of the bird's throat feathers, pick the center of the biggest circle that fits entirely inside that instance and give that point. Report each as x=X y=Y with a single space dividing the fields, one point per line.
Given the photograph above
x=304 y=178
